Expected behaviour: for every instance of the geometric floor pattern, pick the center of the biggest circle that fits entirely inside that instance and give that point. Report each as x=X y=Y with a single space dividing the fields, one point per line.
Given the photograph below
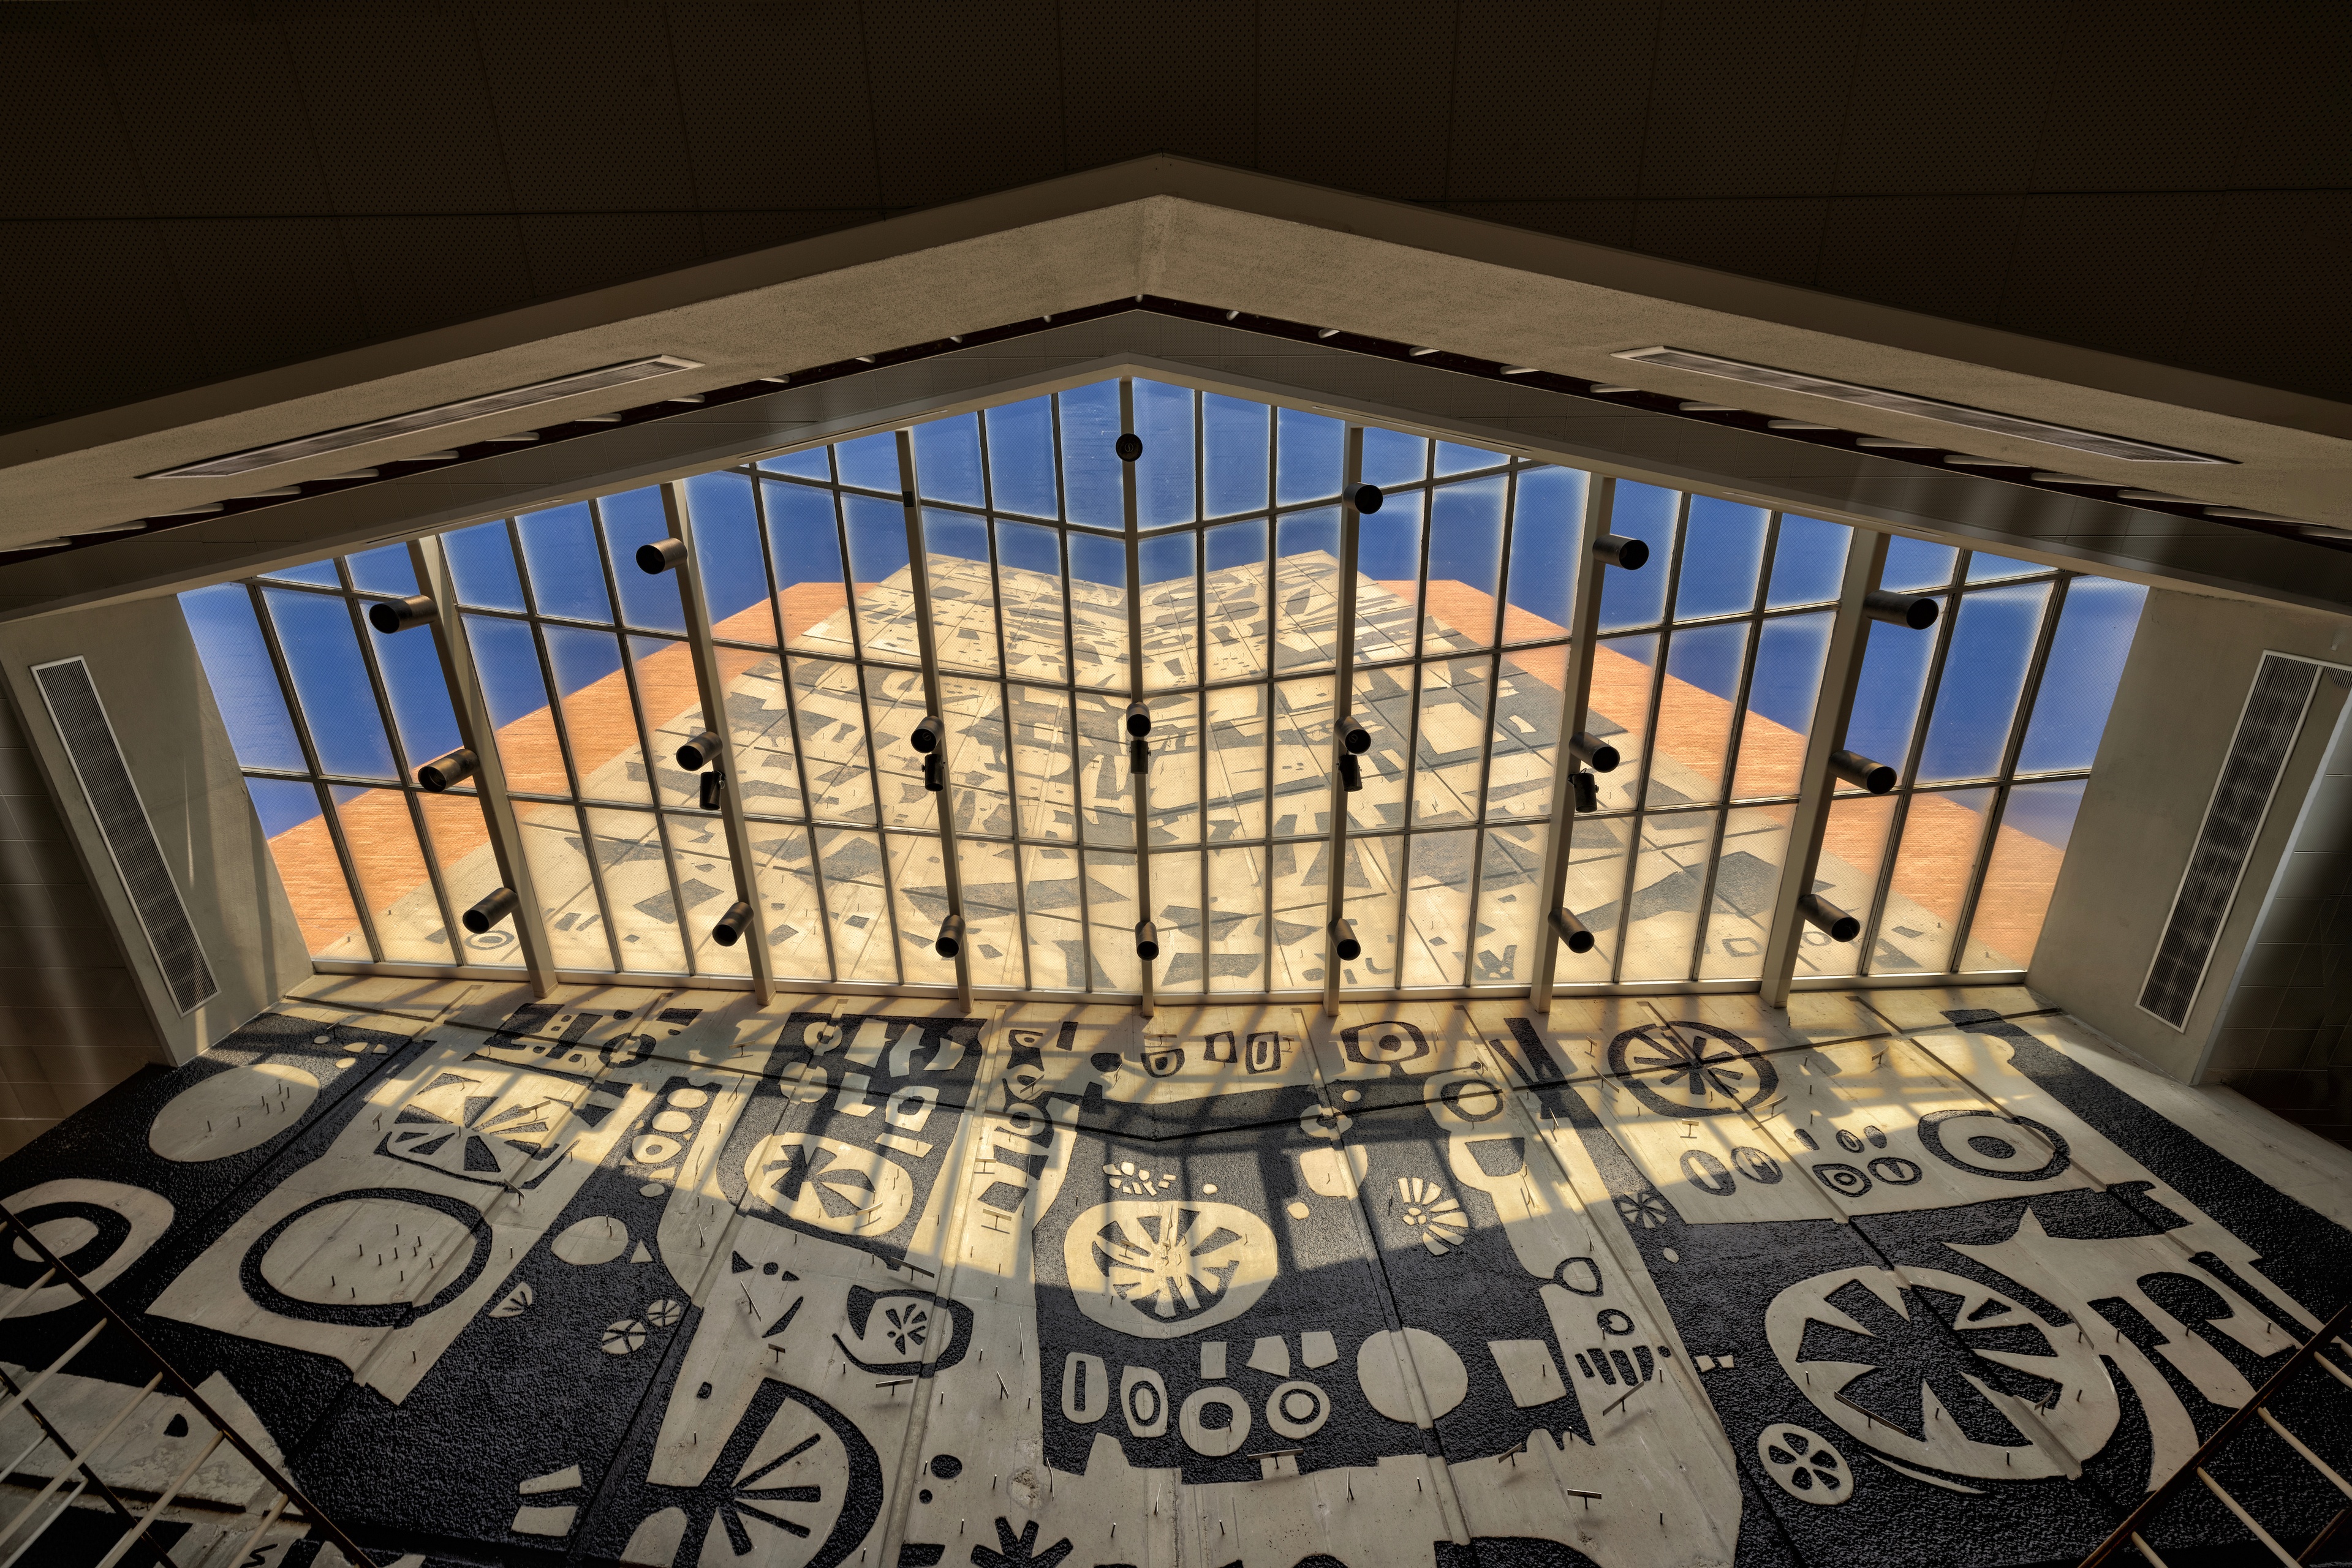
x=1901 y=1278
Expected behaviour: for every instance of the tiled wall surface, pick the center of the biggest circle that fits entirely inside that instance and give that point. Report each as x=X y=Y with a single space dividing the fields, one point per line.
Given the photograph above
x=71 y=1024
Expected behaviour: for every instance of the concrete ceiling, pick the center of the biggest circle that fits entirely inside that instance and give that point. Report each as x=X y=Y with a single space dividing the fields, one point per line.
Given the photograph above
x=196 y=193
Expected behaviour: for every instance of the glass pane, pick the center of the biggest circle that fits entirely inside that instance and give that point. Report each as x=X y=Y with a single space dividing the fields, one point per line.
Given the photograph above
x=851 y=863
x=1465 y=555
x=1236 y=934
x=1695 y=714
x=1667 y=881
x=1163 y=475
x=1595 y=884
x=920 y=899
x=978 y=766
x=567 y=569
x=1510 y=907
x=1171 y=605
x=1176 y=911
x=1746 y=880
x=1914 y=565
x=410 y=665
x=1452 y=458
x=1099 y=610
x=1392 y=458
x=1992 y=644
x=1091 y=483
x=1808 y=561
x=384 y=569
x=317 y=573
x=1302 y=754
x=1234 y=435
x=1375 y=869
x=1382 y=704
x=706 y=880
x=947 y=460
x=244 y=682
x=1113 y=913
x=1780 y=696
x=469 y=873
x=506 y=660
x=597 y=716
x=805 y=552
x=634 y=519
x=877 y=565
x=2026 y=855
x=313 y=877
x=895 y=705
x=1940 y=835
x=726 y=529
x=833 y=744
x=1527 y=733
x=1646 y=513
x=870 y=462
x=1235 y=615
x=1985 y=568
x=992 y=912
x=1451 y=741
x=1174 y=780
x=1029 y=585
x=560 y=878
x=673 y=705
x=1722 y=549
x=767 y=775
x=1437 y=908
x=330 y=680
x=1106 y=794
x=786 y=878
x=1623 y=669
x=2078 y=684
x=1049 y=890
x=1235 y=806
x=636 y=882
x=963 y=591
x=1305 y=589
x=1044 y=766
x=1388 y=586
x=1853 y=849
x=815 y=463
x=482 y=567
x=1308 y=450
x=1887 y=703
x=1547 y=522
x=1021 y=458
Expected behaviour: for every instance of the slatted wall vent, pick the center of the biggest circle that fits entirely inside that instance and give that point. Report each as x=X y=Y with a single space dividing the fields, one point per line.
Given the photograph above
x=2242 y=800
x=123 y=821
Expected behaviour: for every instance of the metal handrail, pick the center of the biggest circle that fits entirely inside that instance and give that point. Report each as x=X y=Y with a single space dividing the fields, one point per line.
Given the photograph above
x=186 y=1390
x=2127 y=1532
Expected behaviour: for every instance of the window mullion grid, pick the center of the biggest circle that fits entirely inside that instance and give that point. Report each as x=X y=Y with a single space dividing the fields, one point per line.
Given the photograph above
x=1266 y=704
x=1140 y=780
x=2028 y=694
x=1005 y=702
x=1200 y=694
x=1908 y=781
x=1077 y=847
x=1494 y=718
x=1343 y=697
x=1731 y=744
x=1649 y=740
x=927 y=649
x=579 y=789
x=401 y=762
x=1416 y=682
x=318 y=783
x=792 y=723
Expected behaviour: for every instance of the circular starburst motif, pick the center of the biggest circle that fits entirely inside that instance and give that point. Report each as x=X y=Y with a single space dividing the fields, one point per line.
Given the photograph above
x=1689 y=1070
x=664 y=1313
x=904 y=1327
x=1642 y=1211
x=624 y=1336
x=1157 y=1269
x=1137 y=1182
x=1436 y=1218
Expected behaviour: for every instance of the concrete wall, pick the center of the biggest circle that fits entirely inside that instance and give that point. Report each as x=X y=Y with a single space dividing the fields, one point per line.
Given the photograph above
x=2176 y=711
x=148 y=675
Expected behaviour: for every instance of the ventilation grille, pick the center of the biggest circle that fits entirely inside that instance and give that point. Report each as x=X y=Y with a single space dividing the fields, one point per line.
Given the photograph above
x=130 y=837
x=2241 y=799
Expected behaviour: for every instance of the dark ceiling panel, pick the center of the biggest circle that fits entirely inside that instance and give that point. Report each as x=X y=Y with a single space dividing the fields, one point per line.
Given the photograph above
x=1358 y=96
x=1152 y=78
x=1748 y=99
x=1948 y=98
x=569 y=253
x=416 y=273
x=1944 y=255
x=1595 y=223
x=402 y=111
x=2274 y=247
x=734 y=234
x=967 y=99
x=2051 y=293
x=1552 y=101
x=2139 y=111
x=774 y=101
x=101 y=316
x=244 y=316
x=68 y=155
x=1766 y=238
x=587 y=106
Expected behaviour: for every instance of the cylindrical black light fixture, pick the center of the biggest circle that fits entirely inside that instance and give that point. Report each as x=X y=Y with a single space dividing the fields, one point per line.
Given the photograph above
x=1366 y=498
x=949 y=941
x=500 y=904
x=1343 y=939
x=443 y=771
x=1599 y=753
x=389 y=615
x=1834 y=922
x=1355 y=737
x=935 y=772
x=1138 y=755
x=700 y=750
x=1147 y=940
x=1587 y=790
x=713 y=785
x=1855 y=769
x=1129 y=447
x=732 y=924
x=1619 y=550
x=1351 y=773
x=1571 y=930
x=928 y=735
x=1139 y=719
x=655 y=559
x=1900 y=608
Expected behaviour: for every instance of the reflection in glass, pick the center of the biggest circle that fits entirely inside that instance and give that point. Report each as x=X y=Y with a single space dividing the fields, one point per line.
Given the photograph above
x=312 y=875
x=1746 y=881
x=244 y=682
x=2086 y=665
x=2030 y=845
x=1942 y=835
x=331 y=679
x=1853 y=849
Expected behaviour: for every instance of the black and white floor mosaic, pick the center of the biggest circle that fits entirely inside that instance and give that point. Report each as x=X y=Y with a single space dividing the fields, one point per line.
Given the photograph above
x=662 y=1278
